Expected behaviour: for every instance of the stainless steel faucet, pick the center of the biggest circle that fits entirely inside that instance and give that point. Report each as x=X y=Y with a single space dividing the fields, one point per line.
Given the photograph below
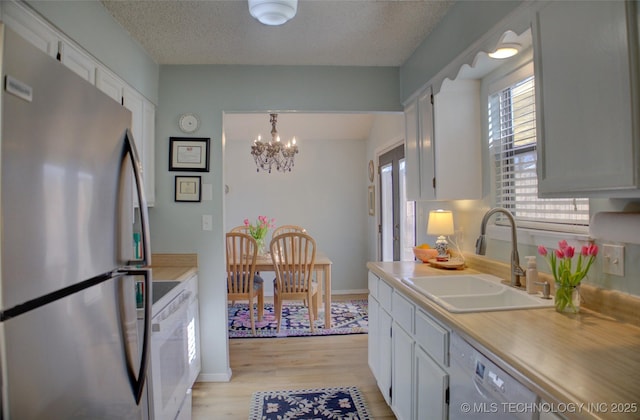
x=481 y=246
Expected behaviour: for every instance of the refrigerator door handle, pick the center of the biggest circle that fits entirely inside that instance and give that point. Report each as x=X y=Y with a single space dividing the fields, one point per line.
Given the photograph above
x=142 y=201
x=137 y=382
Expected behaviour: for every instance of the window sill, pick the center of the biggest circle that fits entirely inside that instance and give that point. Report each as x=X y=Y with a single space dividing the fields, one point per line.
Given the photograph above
x=535 y=237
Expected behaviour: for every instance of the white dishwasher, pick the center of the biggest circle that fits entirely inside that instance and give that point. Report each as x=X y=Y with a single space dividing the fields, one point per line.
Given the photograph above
x=478 y=389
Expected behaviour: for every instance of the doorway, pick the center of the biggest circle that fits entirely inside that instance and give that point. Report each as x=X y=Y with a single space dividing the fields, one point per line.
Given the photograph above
x=397 y=215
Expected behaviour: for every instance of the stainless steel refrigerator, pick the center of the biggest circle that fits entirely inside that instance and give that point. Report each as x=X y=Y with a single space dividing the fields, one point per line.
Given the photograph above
x=69 y=345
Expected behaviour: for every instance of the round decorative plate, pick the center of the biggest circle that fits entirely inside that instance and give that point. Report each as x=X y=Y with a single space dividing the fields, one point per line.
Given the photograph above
x=188 y=123
x=371 y=171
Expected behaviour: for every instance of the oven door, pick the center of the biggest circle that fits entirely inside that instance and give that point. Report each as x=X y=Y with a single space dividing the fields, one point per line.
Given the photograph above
x=169 y=358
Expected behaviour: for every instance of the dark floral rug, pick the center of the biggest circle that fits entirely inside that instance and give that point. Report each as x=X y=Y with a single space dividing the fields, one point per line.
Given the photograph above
x=347 y=317
x=323 y=403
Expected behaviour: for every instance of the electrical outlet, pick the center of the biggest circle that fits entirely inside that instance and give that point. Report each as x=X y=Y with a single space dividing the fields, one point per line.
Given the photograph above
x=613 y=259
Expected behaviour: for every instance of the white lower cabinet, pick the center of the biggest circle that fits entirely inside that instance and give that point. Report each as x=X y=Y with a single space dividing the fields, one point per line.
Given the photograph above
x=408 y=354
x=402 y=389
x=431 y=385
x=379 y=337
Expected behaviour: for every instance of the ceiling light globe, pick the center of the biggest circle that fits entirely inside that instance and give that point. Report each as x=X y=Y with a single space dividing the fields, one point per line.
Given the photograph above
x=273 y=12
x=505 y=51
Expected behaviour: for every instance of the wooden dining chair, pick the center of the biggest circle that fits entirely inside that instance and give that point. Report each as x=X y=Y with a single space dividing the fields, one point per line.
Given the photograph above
x=242 y=280
x=241 y=229
x=294 y=255
x=286 y=229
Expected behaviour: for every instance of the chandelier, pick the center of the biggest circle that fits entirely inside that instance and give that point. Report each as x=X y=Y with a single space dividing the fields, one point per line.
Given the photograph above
x=274 y=153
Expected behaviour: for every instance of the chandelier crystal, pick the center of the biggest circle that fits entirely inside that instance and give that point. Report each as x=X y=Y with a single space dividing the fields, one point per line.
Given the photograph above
x=274 y=153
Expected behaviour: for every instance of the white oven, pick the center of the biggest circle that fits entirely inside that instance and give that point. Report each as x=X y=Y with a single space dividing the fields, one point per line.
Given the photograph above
x=175 y=349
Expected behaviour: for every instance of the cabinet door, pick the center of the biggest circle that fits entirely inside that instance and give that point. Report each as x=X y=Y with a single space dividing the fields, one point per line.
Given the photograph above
x=109 y=84
x=134 y=102
x=457 y=133
x=427 y=145
x=586 y=118
x=384 y=354
x=419 y=149
x=373 y=336
x=31 y=28
x=148 y=151
x=412 y=150
x=402 y=374
x=78 y=62
x=431 y=385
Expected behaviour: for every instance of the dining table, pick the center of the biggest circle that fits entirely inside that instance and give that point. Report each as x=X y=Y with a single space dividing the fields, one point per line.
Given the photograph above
x=322 y=267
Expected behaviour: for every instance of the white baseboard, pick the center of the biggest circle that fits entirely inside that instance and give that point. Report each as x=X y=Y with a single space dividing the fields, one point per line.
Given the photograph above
x=350 y=292
x=214 y=377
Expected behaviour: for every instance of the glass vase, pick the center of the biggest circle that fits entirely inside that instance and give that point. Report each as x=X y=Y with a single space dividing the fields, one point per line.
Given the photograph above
x=261 y=246
x=567 y=298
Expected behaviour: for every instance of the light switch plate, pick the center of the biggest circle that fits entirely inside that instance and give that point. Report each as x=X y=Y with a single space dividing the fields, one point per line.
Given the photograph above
x=613 y=259
x=207 y=222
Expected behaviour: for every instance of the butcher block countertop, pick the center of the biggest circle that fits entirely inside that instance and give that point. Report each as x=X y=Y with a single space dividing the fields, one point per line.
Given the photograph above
x=172 y=267
x=589 y=361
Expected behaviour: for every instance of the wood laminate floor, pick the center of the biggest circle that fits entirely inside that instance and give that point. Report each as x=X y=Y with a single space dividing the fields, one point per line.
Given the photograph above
x=264 y=364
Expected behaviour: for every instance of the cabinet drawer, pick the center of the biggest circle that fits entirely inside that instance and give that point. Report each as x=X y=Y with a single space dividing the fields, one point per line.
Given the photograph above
x=373 y=285
x=403 y=312
x=384 y=295
x=432 y=337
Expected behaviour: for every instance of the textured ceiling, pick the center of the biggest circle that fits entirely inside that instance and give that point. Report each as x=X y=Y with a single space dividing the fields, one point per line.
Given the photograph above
x=323 y=32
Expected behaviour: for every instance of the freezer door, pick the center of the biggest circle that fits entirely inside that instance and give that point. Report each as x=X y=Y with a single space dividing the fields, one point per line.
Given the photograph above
x=62 y=153
x=76 y=356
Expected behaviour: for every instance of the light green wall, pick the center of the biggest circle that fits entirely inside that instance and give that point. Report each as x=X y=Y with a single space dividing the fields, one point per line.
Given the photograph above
x=325 y=193
x=209 y=91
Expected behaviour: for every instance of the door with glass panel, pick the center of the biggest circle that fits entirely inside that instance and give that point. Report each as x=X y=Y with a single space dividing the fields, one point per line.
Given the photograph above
x=397 y=215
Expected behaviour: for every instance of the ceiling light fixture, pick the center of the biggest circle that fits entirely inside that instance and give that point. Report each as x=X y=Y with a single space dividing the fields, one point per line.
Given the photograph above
x=273 y=12
x=505 y=51
x=274 y=152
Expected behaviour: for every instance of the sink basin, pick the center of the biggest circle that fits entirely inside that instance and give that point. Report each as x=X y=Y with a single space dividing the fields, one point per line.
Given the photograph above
x=474 y=293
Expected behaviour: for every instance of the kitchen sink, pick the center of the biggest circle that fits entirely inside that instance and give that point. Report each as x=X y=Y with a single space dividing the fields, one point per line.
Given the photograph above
x=474 y=293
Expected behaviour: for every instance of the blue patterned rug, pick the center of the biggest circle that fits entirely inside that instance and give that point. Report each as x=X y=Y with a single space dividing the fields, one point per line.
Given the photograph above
x=347 y=317
x=317 y=404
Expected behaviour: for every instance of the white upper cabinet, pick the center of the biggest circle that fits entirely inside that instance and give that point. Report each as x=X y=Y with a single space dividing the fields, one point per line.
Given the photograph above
x=586 y=67
x=30 y=27
x=143 y=130
x=148 y=152
x=443 y=143
x=419 y=156
x=44 y=36
x=457 y=134
x=110 y=84
x=79 y=62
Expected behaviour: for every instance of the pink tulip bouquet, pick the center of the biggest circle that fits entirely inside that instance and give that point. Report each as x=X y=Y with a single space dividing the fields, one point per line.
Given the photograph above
x=566 y=275
x=260 y=229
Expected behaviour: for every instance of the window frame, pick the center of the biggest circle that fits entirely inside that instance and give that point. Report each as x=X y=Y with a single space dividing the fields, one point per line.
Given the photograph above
x=532 y=232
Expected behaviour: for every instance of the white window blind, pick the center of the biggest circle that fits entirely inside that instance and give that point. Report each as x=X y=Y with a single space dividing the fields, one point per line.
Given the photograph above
x=512 y=144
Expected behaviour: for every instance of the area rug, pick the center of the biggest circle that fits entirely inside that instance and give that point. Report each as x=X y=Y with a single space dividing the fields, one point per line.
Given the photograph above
x=347 y=317
x=317 y=404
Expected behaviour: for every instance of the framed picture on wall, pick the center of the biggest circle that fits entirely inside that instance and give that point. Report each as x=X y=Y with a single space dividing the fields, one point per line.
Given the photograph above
x=188 y=188
x=189 y=154
x=372 y=200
